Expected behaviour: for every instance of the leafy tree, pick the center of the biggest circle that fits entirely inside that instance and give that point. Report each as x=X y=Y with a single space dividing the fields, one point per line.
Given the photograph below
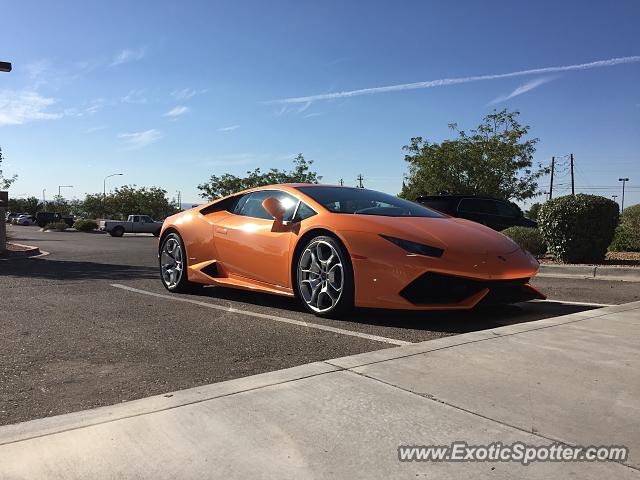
x=5 y=183
x=533 y=211
x=494 y=159
x=58 y=205
x=226 y=184
x=30 y=205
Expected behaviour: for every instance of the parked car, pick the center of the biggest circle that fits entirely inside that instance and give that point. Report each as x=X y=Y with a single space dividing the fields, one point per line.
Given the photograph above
x=134 y=224
x=338 y=247
x=492 y=212
x=44 y=218
x=24 y=220
x=11 y=215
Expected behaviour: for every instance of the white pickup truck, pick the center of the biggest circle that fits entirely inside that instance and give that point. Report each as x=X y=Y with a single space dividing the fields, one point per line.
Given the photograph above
x=134 y=224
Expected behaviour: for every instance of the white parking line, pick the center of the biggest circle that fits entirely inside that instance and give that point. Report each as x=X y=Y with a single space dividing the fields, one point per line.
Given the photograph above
x=265 y=316
x=586 y=304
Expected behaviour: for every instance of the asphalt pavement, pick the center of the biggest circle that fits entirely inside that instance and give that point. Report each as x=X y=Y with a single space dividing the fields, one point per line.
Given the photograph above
x=90 y=324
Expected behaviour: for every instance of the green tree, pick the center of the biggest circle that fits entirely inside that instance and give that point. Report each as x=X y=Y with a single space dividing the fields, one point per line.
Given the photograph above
x=5 y=183
x=533 y=211
x=494 y=159
x=226 y=184
x=30 y=205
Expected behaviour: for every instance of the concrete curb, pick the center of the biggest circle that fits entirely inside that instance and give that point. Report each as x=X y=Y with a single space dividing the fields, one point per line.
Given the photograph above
x=30 y=252
x=598 y=272
x=157 y=403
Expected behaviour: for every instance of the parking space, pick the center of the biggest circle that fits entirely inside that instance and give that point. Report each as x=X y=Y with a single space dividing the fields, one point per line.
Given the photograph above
x=90 y=324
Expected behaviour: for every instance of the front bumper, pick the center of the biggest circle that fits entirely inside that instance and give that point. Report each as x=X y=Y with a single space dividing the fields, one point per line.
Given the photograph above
x=388 y=277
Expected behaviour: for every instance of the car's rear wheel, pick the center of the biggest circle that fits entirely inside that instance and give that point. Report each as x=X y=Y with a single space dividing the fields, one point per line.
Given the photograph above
x=117 y=232
x=324 y=277
x=173 y=264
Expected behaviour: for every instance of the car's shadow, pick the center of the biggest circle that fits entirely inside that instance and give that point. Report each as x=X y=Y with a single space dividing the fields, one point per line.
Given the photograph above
x=74 y=270
x=461 y=321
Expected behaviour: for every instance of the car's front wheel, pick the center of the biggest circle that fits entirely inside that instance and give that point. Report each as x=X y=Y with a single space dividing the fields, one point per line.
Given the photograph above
x=173 y=264
x=324 y=277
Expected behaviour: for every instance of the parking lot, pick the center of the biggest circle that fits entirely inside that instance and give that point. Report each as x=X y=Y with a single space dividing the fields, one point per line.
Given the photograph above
x=90 y=324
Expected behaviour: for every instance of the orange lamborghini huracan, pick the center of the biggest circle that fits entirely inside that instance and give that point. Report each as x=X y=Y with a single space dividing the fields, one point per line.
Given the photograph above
x=336 y=247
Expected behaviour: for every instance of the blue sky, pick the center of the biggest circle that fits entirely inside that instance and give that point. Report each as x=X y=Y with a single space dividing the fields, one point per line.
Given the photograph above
x=169 y=93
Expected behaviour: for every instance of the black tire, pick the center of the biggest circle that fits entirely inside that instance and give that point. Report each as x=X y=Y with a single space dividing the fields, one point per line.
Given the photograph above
x=183 y=285
x=344 y=301
x=117 y=232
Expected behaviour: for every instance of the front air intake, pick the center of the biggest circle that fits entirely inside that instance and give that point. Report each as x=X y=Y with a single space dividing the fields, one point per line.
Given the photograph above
x=438 y=289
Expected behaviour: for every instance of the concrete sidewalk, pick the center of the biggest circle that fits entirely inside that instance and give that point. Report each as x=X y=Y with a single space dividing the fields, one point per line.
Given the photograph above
x=572 y=379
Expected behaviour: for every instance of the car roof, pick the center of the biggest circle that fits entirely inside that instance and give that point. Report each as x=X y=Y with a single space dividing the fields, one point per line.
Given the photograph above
x=458 y=197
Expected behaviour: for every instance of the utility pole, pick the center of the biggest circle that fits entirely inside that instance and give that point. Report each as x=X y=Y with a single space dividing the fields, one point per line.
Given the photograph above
x=573 y=190
x=44 y=200
x=553 y=164
x=342 y=182
x=614 y=197
x=623 y=180
x=360 y=178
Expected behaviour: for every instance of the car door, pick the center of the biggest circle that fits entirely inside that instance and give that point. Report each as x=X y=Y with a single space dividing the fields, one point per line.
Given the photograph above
x=134 y=226
x=147 y=224
x=248 y=246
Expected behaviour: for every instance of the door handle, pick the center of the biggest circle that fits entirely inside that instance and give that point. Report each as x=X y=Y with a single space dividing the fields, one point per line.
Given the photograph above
x=221 y=230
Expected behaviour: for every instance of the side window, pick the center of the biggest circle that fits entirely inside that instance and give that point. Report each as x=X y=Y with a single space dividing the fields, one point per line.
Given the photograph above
x=477 y=205
x=228 y=204
x=304 y=211
x=251 y=206
x=146 y=219
x=136 y=219
x=507 y=210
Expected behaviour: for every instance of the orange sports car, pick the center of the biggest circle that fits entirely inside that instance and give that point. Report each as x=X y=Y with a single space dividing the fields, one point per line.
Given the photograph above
x=336 y=247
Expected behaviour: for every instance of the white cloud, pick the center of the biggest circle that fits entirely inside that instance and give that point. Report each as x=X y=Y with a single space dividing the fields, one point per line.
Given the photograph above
x=177 y=111
x=229 y=129
x=135 y=140
x=183 y=94
x=135 y=96
x=524 y=88
x=456 y=81
x=18 y=107
x=128 y=55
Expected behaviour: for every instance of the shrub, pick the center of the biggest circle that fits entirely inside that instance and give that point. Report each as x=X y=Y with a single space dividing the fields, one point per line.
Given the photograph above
x=85 y=225
x=528 y=238
x=57 y=226
x=578 y=228
x=627 y=237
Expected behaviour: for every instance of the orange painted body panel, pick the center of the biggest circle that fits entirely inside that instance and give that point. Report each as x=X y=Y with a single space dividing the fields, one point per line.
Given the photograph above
x=250 y=253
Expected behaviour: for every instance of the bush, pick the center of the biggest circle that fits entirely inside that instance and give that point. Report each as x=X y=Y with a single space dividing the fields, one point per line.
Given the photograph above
x=85 y=225
x=578 y=228
x=627 y=237
x=528 y=238
x=57 y=226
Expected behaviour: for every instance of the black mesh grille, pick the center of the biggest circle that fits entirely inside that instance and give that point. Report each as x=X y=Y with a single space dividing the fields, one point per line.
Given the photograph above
x=436 y=288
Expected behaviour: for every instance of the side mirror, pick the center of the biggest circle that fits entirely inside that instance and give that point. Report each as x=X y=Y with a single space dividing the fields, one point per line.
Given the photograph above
x=274 y=208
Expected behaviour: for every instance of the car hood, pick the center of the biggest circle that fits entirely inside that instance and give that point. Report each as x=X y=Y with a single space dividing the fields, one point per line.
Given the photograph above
x=450 y=234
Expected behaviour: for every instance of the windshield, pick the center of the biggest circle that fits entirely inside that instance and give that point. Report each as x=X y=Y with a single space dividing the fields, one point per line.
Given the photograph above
x=366 y=202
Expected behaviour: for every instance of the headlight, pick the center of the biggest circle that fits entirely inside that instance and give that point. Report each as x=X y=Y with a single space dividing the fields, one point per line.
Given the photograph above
x=415 y=248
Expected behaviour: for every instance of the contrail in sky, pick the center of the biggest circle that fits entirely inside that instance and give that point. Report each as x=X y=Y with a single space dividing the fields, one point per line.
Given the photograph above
x=455 y=81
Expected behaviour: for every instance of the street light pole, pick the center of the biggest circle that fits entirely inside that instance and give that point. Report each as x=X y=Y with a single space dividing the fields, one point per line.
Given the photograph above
x=623 y=180
x=104 y=189
x=4 y=196
x=63 y=186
